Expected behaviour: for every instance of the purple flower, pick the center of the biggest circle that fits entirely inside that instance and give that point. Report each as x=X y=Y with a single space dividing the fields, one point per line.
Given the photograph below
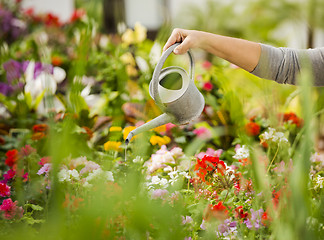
x=5 y=22
x=222 y=228
x=248 y=224
x=13 y=70
x=39 y=68
x=255 y=221
x=186 y=219
x=5 y=89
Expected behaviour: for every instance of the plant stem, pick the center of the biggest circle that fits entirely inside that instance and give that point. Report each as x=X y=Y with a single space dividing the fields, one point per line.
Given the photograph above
x=273 y=158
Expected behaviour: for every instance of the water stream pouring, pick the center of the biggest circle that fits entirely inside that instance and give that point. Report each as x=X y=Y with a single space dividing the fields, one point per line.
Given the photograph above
x=175 y=93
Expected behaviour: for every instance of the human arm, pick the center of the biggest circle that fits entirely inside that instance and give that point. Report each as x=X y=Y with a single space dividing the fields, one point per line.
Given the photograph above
x=240 y=52
x=279 y=64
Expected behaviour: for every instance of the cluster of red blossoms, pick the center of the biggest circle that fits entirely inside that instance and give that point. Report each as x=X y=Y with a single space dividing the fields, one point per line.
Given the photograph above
x=292 y=118
x=208 y=165
x=51 y=19
x=252 y=128
x=39 y=131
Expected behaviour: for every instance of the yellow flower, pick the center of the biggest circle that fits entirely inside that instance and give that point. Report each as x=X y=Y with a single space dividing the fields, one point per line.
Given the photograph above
x=131 y=71
x=137 y=36
x=128 y=37
x=160 y=129
x=127 y=130
x=127 y=58
x=154 y=140
x=112 y=145
x=140 y=32
x=115 y=129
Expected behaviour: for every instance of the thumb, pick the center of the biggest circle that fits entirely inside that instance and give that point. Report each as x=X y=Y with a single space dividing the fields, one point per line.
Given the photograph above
x=183 y=47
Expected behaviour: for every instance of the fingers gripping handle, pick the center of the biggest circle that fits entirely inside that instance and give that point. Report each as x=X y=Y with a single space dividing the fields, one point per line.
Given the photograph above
x=158 y=68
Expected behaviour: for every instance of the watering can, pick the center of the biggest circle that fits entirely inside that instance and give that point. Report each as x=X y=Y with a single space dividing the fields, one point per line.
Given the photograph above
x=175 y=93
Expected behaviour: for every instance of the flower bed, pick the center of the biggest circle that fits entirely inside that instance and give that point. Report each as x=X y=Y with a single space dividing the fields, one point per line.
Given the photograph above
x=69 y=103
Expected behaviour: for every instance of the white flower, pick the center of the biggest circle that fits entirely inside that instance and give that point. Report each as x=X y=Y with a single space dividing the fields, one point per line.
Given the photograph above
x=65 y=175
x=155 y=180
x=274 y=136
x=242 y=153
x=138 y=159
x=74 y=174
x=155 y=53
x=319 y=182
x=109 y=176
x=185 y=174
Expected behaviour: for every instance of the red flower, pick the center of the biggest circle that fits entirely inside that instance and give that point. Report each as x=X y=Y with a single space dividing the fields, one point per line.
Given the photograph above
x=275 y=197
x=77 y=14
x=218 y=211
x=293 y=119
x=40 y=127
x=252 y=128
x=4 y=190
x=265 y=219
x=239 y=213
x=52 y=20
x=209 y=164
x=208 y=86
x=12 y=157
x=10 y=209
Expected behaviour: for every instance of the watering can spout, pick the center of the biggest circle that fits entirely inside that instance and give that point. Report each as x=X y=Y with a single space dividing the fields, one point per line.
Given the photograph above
x=156 y=122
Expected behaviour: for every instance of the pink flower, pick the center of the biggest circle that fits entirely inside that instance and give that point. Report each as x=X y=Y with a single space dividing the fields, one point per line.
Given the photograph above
x=10 y=209
x=203 y=133
x=8 y=176
x=4 y=190
x=169 y=126
x=159 y=193
x=89 y=167
x=206 y=65
x=208 y=86
x=27 y=150
x=210 y=152
x=45 y=169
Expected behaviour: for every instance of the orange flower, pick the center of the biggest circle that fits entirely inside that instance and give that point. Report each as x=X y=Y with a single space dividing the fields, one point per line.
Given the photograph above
x=252 y=128
x=40 y=127
x=38 y=136
x=57 y=61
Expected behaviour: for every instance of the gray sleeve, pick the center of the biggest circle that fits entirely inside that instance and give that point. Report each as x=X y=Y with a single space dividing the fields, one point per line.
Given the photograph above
x=283 y=64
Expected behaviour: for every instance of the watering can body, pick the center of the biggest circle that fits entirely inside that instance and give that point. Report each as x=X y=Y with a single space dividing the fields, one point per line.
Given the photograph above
x=180 y=105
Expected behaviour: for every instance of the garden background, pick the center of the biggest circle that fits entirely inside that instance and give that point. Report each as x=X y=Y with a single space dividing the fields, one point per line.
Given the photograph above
x=250 y=167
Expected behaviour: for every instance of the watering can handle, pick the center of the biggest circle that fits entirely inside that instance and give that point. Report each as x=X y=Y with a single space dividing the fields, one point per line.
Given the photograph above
x=158 y=69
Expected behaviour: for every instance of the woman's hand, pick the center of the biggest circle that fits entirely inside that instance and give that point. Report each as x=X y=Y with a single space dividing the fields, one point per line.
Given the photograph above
x=187 y=38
